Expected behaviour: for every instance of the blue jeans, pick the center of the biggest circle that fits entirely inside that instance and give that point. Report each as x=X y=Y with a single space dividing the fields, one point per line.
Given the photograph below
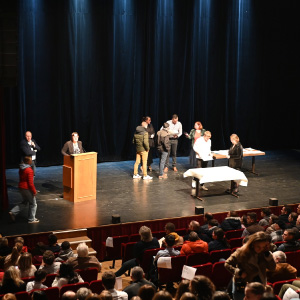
x=28 y=197
x=162 y=161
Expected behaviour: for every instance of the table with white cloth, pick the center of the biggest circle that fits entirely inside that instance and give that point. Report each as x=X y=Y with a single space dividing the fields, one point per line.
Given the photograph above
x=215 y=174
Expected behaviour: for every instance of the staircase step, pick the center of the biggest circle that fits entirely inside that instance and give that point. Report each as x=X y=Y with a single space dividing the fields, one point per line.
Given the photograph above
x=75 y=241
x=66 y=234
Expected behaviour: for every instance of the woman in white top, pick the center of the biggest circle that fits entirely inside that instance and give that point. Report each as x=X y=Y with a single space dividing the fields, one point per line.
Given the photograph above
x=66 y=275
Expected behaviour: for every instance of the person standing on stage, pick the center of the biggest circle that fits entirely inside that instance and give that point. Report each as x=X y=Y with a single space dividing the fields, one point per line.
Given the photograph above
x=141 y=141
x=151 y=135
x=163 y=147
x=175 y=129
x=72 y=147
x=202 y=148
x=29 y=147
x=194 y=134
x=235 y=156
x=27 y=190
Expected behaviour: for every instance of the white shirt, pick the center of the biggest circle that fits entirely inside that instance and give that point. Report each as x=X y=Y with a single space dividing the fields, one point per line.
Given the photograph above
x=33 y=157
x=33 y=285
x=174 y=129
x=118 y=295
x=202 y=148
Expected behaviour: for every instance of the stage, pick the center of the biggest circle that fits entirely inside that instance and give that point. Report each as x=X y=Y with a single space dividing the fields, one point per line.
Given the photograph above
x=136 y=200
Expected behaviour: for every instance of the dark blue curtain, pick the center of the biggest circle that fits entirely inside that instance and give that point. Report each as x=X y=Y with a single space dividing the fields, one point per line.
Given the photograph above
x=97 y=67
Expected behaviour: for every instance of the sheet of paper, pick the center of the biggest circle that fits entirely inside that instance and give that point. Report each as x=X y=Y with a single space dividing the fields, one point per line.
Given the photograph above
x=207 y=158
x=109 y=242
x=221 y=152
x=164 y=262
x=290 y=294
x=118 y=284
x=188 y=272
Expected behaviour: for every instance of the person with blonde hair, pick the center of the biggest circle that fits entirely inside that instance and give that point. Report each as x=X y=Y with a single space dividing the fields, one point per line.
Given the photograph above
x=250 y=263
x=235 y=157
x=27 y=269
x=12 y=283
x=147 y=242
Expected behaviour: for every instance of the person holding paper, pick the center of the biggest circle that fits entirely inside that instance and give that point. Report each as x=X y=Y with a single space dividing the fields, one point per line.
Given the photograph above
x=169 y=251
x=202 y=148
x=74 y=146
x=194 y=134
x=235 y=156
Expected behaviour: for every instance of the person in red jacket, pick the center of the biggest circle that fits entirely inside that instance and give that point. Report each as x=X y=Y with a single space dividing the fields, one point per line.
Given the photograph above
x=194 y=245
x=27 y=190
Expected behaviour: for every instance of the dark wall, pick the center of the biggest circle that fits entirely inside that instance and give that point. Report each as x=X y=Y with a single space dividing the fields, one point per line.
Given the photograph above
x=97 y=67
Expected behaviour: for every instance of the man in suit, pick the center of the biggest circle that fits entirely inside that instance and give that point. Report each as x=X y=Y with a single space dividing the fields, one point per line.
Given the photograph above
x=29 y=147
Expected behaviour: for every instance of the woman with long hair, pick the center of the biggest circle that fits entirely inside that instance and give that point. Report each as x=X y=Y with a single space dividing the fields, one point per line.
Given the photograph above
x=25 y=265
x=12 y=282
x=66 y=275
x=219 y=241
x=202 y=287
x=13 y=258
x=250 y=262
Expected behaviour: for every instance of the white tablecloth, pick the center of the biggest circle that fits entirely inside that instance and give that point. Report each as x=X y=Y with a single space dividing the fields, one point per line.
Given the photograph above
x=217 y=174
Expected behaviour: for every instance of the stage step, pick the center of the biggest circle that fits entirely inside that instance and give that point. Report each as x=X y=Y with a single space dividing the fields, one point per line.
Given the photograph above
x=66 y=234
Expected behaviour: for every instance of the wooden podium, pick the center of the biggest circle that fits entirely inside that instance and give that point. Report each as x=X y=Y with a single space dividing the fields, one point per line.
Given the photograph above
x=80 y=176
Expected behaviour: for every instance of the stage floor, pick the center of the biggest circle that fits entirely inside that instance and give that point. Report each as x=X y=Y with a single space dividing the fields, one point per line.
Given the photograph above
x=136 y=200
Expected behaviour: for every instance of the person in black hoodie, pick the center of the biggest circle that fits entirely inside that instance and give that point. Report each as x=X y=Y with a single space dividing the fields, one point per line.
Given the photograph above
x=232 y=222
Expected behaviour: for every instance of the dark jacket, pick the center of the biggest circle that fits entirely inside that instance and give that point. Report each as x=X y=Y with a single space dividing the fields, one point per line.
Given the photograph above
x=140 y=139
x=68 y=148
x=141 y=246
x=11 y=287
x=252 y=229
x=236 y=156
x=289 y=246
x=217 y=245
x=28 y=150
x=133 y=289
x=150 y=130
x=163 y=141
x=231 y=223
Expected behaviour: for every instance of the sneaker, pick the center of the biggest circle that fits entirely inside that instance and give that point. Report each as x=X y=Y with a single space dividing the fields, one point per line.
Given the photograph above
x=147 y=177
x=136 y=176
x=34 y=221
x=204 y=188
x=12 y=216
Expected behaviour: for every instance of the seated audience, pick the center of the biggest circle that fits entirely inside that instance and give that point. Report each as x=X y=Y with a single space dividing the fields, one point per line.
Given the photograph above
x=290 y=242
x=65 y=253
x=48 y=263
x=194 y=245
x=12 y=282
x=66 y=275
x=294 y=286
x=83 y=260
x=169 y=251
x=162 y=295
x=25 y=265
x=283 y=271
x=273 y=219
x=37 y=253
x=170 y=230
x=20 y=240
x=52 y=243
x=285 y=212
x=105 y=295
x=212 y=224
x=202 y=287
x=137 y=276
x=244 y=221
x=292 y=220
x=147 y=242
x=108 y=281
x=219 y=241
x=252 y=224
x=37 y=283
x=83 y=293
x=188 y=296
x=39 y=295
x=9 y=296
x=265 y=217
x=4 y=248
x=254 y=291
x=13 y=258
x=279 y=227
x=146 y=292
x=183 y=287
x=207 y=216
x=231 y=222
x=68 y=295
x=298 y=223
x=219 y=295
x=195 y=226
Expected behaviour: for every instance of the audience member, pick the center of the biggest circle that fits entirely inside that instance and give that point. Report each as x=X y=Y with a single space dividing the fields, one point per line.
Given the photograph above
x=163 y=295
x=170 y=230
x=37 y=283
x=219 y=241
x=105 y=295
x=4 y=248
x=283 y=271
x=273 y=219
x=188 y=296
x=194 y=245
x=108 y=281
x=207 y=216
x=252 y=224
x=219 y=295
x=294 y=286
x=66 y=275
x=231 y=222
x=68 y=295
x=65 y=253
x=20 y=240
x=169 y=251
x=25 y=265
x=269 y=296
x=183 y=287
x=147 y=242
x=276 y=236
x=84 y=292
x=13 y=258
x=202 y=287
x=298 y=209
x=292 y=220
x=9 y=296
x=52 y=243
x=146 y=292
x=290 y=242
x=195 y=226
x=137 y=276
x=48 y=263
x=298 y=223
x=244 y=221
x=212 y=224
x=39 y=295
x=12 y=282
x=285 y=212
x=37 y=253
x=254 y=291
x=83 y=260
x=265 y=214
